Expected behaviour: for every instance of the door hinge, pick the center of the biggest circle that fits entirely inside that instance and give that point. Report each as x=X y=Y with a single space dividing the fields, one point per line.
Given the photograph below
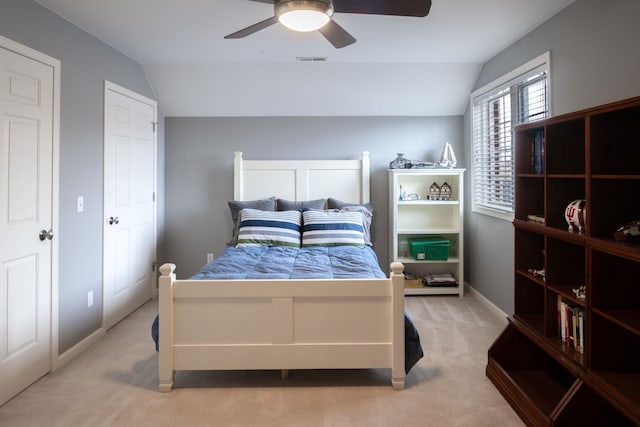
x=153 y=196
x=155 y=125
x=153 y=267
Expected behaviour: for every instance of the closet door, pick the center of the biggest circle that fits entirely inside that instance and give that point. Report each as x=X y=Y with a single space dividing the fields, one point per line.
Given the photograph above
x=129 y=202
x=26 y=226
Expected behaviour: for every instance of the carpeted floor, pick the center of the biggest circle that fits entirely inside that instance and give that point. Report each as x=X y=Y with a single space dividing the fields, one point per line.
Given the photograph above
x=114 y=383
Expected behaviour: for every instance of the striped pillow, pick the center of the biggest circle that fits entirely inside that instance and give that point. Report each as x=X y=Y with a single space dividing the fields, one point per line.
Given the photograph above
x=269 y=228
x=330 y=228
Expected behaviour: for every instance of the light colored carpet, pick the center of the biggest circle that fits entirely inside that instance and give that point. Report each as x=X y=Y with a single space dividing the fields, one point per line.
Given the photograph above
x=114 y=383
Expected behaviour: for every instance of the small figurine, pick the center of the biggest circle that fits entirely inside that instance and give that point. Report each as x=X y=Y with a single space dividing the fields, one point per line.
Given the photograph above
x=580 y=292
x=445 y=192
x=403 y=194
x=538 y=273
x=448 y=159
x=400 y=162
x=630 y=230
x=434 y=192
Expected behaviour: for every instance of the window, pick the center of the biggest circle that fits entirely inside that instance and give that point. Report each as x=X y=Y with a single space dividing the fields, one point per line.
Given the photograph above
x=521 y=96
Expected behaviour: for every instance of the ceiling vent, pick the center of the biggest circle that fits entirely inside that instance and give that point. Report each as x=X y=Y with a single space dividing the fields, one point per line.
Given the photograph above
x=311 y=58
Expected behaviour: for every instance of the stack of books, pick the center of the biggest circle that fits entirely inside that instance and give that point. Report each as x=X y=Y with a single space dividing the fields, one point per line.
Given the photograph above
x=440 y=279
x=571 y=325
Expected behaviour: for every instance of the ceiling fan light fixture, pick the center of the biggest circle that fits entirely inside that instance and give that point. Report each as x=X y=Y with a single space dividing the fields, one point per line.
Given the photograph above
x=304 y=15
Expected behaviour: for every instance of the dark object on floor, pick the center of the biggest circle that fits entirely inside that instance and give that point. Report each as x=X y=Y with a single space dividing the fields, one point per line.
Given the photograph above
x=155 y=331
x=412 y=347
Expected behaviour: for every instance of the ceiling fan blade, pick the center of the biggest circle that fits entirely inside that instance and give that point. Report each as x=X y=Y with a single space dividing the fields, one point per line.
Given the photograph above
x=418 y=8
x=264 y=1
x=253 y=28
x=337 y=35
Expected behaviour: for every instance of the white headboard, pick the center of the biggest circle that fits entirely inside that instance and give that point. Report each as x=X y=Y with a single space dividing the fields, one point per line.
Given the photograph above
x=345 y=180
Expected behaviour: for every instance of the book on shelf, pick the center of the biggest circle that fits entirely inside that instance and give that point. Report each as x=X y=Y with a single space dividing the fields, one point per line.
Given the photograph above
x=574 y=328
x=440 y=279
x=581 y=331
x=563 y=321
x=536 y=218
x=537 y=155
x=560 y=318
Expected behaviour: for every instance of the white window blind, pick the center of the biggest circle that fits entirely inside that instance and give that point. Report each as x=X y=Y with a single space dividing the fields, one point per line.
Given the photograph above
x=520 y=97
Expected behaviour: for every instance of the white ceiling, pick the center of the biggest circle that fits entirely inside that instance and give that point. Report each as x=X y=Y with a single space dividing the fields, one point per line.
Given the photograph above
x=399 y=65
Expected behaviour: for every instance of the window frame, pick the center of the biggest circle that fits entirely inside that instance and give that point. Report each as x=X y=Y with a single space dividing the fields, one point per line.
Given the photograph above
x=493 y=88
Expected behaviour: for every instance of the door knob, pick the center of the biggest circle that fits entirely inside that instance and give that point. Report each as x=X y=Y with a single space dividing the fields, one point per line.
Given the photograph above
x=114 y=220
x=44 y=234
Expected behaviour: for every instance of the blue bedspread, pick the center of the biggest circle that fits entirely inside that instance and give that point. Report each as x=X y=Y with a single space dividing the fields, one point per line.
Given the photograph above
x=279 y=262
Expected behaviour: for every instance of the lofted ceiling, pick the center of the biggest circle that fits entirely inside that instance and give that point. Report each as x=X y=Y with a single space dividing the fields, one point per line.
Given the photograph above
x=399 y=65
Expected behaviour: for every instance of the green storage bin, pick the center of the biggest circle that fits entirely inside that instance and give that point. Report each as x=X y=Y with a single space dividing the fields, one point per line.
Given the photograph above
x=433 y=248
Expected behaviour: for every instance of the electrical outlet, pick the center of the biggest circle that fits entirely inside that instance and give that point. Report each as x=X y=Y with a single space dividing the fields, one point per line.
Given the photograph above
x=209 y=258
x=89 y=298
x=80 y=204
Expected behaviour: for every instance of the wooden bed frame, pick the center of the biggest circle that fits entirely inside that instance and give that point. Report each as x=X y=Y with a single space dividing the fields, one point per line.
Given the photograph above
x=285 y=324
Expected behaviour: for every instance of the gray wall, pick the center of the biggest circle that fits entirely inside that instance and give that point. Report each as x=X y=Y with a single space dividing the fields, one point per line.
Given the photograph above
x=199 y=167
x=86 y=63
x=595 y=59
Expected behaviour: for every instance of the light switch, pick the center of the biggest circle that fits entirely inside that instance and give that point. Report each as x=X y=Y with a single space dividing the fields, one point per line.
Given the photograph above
x=80 y=204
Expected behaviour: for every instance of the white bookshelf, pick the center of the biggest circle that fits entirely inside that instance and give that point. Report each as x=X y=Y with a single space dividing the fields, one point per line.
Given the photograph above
x=410 y=217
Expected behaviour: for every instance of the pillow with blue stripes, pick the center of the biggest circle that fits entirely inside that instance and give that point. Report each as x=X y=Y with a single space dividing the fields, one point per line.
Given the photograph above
x=272 y=228
x=235 y=206
x=367 y=215
x=331 y=228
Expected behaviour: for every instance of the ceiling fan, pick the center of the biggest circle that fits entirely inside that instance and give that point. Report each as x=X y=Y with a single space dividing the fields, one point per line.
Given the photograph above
x=311 y=15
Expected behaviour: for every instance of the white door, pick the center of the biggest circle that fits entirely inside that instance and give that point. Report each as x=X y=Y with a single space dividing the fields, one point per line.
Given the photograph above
x=129 y=202
x=26 y=191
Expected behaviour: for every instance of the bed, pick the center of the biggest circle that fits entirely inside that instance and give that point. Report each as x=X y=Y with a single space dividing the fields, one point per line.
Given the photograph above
x=285 y=323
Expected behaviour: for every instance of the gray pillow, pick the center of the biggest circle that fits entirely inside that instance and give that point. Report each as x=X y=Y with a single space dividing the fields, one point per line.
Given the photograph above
x=235 y=206
x=291 y=205
x=367 y=214
x=338 y=204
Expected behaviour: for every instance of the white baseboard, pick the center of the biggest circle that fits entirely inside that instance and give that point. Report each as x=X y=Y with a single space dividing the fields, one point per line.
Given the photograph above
x=491 y=306
x=74 y=351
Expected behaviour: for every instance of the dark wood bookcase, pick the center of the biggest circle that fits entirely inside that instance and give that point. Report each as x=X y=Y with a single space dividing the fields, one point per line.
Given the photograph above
x=594 y=155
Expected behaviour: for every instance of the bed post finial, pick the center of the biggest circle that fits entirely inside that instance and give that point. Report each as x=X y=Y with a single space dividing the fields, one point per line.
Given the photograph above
x=167 y=269
x=237 y=176
x=397 y=267
x=364 y=178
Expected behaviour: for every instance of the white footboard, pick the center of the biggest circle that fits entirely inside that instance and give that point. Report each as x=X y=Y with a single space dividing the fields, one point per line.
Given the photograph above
x=281 y=324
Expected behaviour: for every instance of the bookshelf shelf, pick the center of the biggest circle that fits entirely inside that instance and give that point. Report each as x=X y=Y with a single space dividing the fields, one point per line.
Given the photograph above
x=564 y=360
